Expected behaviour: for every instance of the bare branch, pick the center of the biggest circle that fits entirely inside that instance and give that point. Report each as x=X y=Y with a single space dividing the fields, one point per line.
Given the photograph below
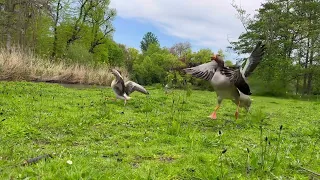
x=242 y=15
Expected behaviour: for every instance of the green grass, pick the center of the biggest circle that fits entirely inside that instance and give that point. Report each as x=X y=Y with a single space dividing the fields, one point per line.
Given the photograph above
x=160 y=136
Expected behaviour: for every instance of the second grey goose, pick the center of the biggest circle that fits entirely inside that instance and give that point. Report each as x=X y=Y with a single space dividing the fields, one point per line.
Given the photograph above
x=123 y=89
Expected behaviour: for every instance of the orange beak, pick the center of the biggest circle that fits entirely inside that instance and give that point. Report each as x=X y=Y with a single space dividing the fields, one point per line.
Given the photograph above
x=214 y=57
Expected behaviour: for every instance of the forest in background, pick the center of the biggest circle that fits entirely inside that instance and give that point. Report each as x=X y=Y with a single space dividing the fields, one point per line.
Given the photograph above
x=78 y=33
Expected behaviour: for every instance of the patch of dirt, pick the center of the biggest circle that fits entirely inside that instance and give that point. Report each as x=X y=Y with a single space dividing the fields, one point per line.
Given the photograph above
x=135 y=165
x=166 y=159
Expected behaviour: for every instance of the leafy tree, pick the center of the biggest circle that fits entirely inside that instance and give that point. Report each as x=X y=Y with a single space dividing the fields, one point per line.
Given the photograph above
x=228 y=63
x=100 y=23
x=148 y=38
x=291 y=30
x=19 y=20
x=77 y=53
x=153 y=66
x=115 y=54
x=85 y=6
x=202 y=56
x=55 y=27
x=180 y=49
x=133 y=56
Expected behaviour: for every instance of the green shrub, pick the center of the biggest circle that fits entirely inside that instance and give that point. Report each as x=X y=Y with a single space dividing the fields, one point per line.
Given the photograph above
x=77 y=53
x=153 y=66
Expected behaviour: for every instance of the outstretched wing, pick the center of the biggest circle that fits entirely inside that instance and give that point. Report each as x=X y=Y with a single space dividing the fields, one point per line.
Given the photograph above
x=254 y=59
x=237 y=76
x=119 y=85
x=131 y=86
x=204 y=71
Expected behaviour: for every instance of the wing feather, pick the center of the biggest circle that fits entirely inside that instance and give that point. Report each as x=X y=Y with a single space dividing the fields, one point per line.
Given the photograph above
x=204 y=71
x=235 y=77
x=131 y=86
x=254 y=59
x=119 y=85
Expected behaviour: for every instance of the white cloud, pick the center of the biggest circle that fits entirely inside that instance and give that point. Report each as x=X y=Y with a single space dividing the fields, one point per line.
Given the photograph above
x=205 y=23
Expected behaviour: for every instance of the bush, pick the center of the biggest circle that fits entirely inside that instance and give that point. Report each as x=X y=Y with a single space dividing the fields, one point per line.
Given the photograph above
x=153 y=66
x=77 y=53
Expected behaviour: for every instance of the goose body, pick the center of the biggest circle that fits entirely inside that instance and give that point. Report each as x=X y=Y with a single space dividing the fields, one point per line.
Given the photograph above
x=229 y=82
x=123 y=89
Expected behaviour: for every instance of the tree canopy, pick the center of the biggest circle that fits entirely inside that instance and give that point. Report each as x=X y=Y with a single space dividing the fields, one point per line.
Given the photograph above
x=291 y=30
x=148 y=39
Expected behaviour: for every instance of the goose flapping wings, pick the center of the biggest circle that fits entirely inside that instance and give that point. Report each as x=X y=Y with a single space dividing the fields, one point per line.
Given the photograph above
x=229 y=82
x=118 y=84
x=124 y=89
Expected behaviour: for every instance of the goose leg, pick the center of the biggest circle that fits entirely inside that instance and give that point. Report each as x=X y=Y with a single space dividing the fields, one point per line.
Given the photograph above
x=214 y=113
x=237 y=111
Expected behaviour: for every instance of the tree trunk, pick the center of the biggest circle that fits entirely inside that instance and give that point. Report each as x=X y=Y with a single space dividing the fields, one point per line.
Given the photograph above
x=298 y=78
x=9 y=11
x=80 y=20
x=55 y=39
x=95 y=42
x=306 y=67
x=310 y=74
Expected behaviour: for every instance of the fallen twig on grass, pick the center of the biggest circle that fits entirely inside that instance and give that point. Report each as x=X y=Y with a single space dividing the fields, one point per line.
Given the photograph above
x=312 y=172
x=36 y=159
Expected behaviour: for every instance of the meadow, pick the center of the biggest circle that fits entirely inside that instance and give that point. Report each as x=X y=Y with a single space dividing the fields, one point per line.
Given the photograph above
x=86 y=135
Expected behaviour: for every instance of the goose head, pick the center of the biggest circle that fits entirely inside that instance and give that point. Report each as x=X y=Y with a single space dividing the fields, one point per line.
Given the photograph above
x=218 y=59
x=116 y=73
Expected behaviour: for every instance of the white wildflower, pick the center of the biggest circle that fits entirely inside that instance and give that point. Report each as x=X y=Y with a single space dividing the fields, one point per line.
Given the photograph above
x=69 y=162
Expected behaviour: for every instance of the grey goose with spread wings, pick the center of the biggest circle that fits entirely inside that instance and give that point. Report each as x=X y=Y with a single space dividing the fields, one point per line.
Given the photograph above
x=229 y=82
x=123 y=89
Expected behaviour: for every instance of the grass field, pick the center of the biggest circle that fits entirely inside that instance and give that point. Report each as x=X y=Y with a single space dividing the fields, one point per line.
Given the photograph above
x=160 y=136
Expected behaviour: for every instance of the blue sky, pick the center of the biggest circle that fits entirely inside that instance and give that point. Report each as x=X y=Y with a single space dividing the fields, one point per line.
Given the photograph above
x=204 y=23
x=130 y=32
